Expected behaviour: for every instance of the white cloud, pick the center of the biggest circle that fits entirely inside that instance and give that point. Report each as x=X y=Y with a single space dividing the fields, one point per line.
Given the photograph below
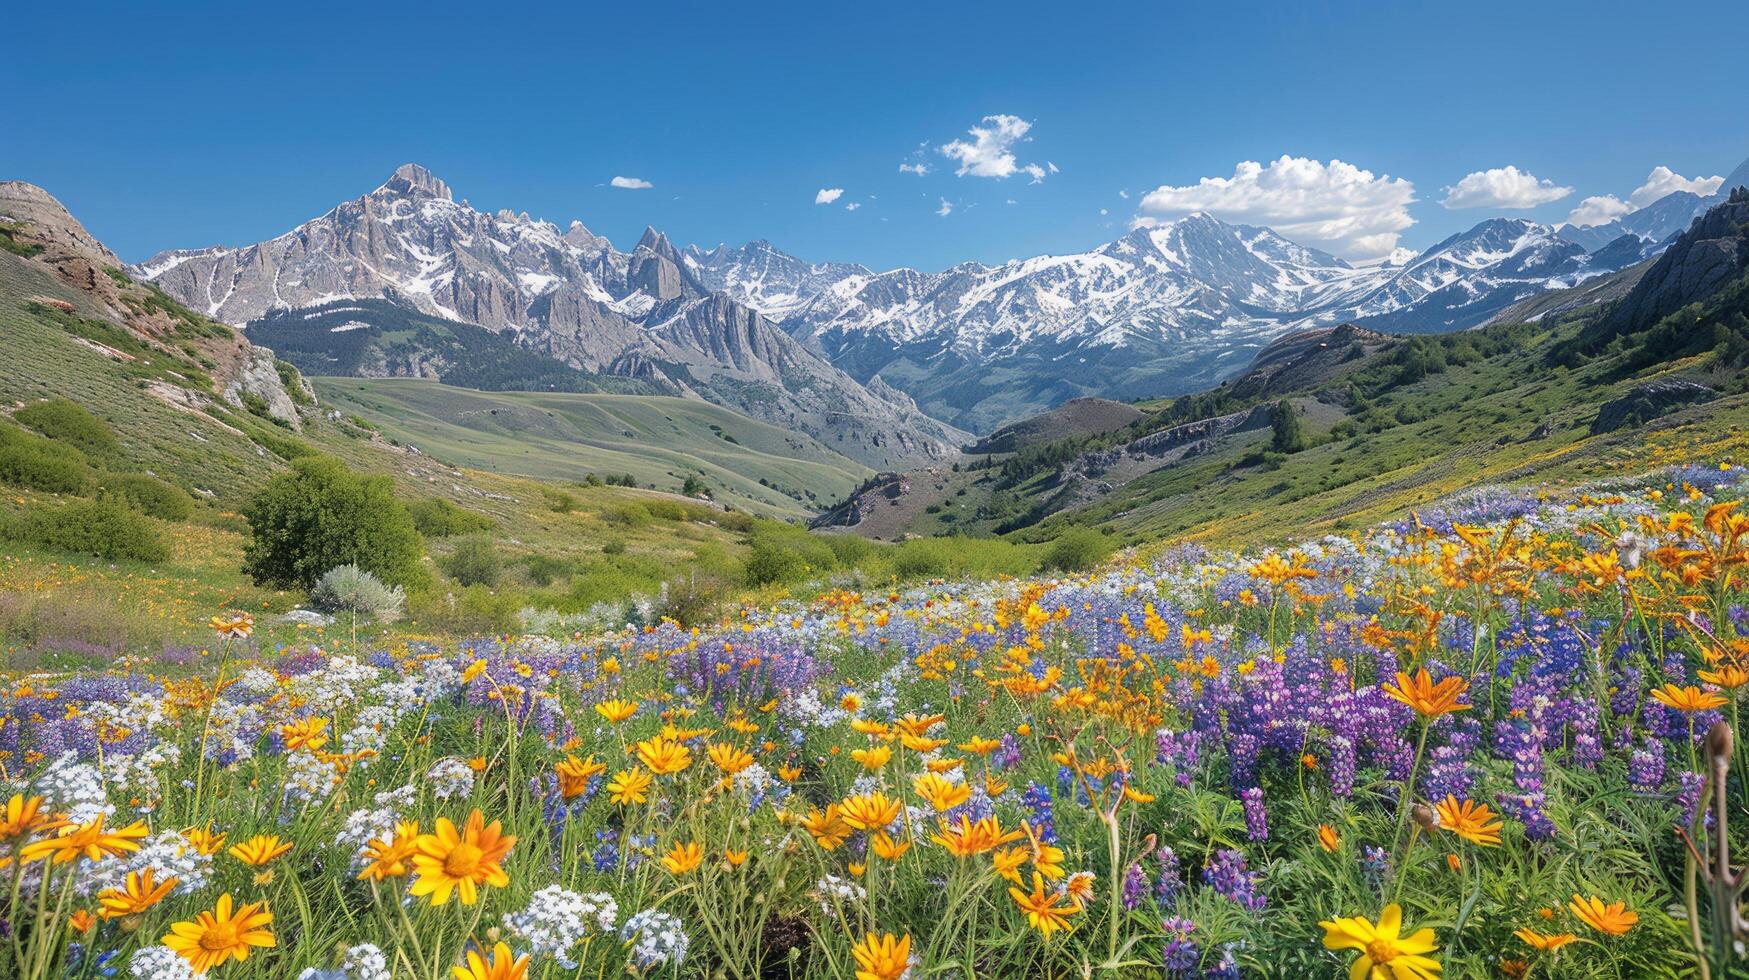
x=1124 y=194
x=945 y=209
x=852 y=206
x=990 y=151
x=1103 y=212
x=1052 y=167
x=1502 y=187
x=1599 y=210
x=1336 y=205
x=1011 y=201
x=828 y=194
x=914 y=168
x=1663 y=181
x=1660 y=183
x=631 y=183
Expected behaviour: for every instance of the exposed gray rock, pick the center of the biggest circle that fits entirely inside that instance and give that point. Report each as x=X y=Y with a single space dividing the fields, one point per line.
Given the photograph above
x=1647 y=401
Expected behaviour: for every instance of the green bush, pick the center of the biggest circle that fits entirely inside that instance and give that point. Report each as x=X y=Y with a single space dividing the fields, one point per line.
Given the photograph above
x=320 y=515
x=630 y=515
x=475 y=561
x=779 y=553
x=1077 y=550
x=438 y=518
x=924 y=558
x=149 y=495
x=30 y=461
x=558 y=501
x=105 y=529
x=68 y=422
x=544 y=570
x=849 y=549
x=613 y=546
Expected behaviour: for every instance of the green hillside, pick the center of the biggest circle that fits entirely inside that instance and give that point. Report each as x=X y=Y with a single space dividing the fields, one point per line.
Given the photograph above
x=1389 y=423
x=564 y=436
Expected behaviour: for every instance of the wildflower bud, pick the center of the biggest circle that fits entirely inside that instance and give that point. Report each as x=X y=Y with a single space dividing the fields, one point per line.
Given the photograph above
x=492 y=934
x=1718 y=740
x=1425 y=816
x=129 y=924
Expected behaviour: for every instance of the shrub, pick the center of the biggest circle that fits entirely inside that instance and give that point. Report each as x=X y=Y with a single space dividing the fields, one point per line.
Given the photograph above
x=780 y=553
x=613 y=546
x=352 y=589
x=150 y=496
x=438 y=518
x=920 y=559
x=1077 y=550
x=475 y=562
x=105 y=529
x=28 y=460
x=558 y=501
x=320 y=515
x=68 y=422
x=544 y=570
x=849 y=549
x=630 y=515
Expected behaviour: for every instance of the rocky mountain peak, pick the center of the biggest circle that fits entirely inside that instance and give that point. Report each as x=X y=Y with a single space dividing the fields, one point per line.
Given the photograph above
x=48 y=218
x=412 y=180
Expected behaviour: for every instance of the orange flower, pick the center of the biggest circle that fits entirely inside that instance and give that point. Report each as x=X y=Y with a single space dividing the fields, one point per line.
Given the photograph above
x=89 y=841
x=504 y=965
x=220 y=935
x=664 y=755
x=827 y=827
x=1614 y=919
x=260 y=849
x=1470 y=820
x=870 y=811
x=1547 y=942
x=942 y=794
x=882 y=957
x=137 y=894
x=617 y=710
x=1429 y=700
x=1042 y=909
x=449 y=860
x=1689 y=699
x=574 y=775
x=388 y=858
x=1327 y=838
x=682 y=858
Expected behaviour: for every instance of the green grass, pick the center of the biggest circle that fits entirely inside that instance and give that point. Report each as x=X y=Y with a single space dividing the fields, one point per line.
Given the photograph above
x=566 y=437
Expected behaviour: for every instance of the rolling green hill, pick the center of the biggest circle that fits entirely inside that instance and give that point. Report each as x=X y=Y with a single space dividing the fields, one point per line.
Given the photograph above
x=564 y=436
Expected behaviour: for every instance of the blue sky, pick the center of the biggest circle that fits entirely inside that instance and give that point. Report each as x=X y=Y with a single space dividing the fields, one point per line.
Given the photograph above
x=192 y=124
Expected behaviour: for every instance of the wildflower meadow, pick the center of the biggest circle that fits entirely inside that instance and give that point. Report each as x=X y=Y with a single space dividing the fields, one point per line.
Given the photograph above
x=1497 y=738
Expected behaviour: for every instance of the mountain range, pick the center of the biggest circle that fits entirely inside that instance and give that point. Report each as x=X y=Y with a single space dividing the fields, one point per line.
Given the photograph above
x=869 y=361
x=567 y=294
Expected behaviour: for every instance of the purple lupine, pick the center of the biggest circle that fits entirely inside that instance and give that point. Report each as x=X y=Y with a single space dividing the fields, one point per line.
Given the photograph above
x=1181 y=956
x=1037 y=800
x=1256 y=814
x=1226 y=874
x=1171 y=880
x=1135 y=886
x=1646 y=766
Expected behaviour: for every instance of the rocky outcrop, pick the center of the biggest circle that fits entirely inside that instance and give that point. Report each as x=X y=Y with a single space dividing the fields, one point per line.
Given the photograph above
x=83 y=263
x=258 y=376
x=882 y=489
x=1648 y=401
x=1712 y=252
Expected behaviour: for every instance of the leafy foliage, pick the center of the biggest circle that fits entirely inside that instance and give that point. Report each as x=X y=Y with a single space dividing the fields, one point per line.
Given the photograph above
x=320 y=515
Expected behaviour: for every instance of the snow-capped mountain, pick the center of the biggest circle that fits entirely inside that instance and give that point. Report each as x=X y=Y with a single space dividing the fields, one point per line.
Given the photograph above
x=1161 y=310
x=1659 y=221
x=567 y=293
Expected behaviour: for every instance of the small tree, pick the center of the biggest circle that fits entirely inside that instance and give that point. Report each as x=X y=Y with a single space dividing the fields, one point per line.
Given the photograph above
x=475 y=562
x=320 y=515
x=1290 y=437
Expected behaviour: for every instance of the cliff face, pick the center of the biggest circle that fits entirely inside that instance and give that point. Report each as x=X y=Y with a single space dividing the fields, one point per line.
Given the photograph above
x=1711 y=253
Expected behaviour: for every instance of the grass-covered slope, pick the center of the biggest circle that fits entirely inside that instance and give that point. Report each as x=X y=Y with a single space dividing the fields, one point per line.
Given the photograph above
x=659 y=440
